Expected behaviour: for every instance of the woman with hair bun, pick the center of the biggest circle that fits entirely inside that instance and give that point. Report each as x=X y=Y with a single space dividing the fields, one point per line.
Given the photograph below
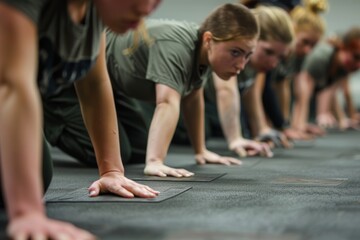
x=309 y=29
x=323 y=72
x=223 y=97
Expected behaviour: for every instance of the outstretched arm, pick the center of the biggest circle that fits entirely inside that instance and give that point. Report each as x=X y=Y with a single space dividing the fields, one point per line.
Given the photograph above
x=98 y=109
x=20 y=132
x=326 y=101
x=303 y=91
x=162 y=129
x=256 y=113
x=228 y=105
x=193 y=109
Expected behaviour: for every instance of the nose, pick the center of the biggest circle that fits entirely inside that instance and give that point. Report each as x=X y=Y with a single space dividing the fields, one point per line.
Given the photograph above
x=240 y=65
x=273 y=63
x=147 y=6
x=307 y=49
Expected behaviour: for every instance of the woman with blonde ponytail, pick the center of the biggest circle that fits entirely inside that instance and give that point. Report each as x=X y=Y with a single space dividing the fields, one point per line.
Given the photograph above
x=223 y=97
x=323 y=71
x=309 y=29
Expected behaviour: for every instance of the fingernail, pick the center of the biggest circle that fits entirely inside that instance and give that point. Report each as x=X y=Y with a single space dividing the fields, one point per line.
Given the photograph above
x=92 y=193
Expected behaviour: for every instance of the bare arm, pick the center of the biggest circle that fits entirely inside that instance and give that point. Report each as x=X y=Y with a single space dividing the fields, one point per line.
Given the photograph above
x=228 y=103
x=98 y=109
x=254 y=105
x=326 y=101
x=303 y=90
x=20 y=128
x=284 y=94
x=20 y=114
x=162 y=129
x=163 y=124
x=350 y=106
x=193 y=109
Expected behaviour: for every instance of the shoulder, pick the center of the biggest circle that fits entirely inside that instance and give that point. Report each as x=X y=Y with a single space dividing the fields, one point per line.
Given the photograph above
x=30 y=8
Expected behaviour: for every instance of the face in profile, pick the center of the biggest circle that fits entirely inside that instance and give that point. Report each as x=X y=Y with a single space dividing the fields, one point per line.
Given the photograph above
x=228 y=58
x=122 y=15
x=305 y=42
x=268 y=54
x=351 y=56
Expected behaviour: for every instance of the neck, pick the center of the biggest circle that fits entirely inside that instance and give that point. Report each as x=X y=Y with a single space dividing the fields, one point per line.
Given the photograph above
x=77 y=10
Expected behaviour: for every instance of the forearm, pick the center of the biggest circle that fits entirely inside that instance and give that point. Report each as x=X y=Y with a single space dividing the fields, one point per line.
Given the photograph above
x=100 y=120
x=337 y=108
x=20 y=115
x=193 y=112
x=228 y=105
x=254 y=106
x=98 y=109
x=284 y=94
x=303 y=89
x=20 y=153
x=350 y=106
x=325 y=100
x=161 y=131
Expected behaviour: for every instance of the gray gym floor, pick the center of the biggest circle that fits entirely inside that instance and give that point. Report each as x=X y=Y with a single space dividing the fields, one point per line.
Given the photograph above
x=309 y=192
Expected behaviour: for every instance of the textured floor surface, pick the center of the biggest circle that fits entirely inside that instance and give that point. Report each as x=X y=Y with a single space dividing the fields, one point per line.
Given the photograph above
x=309 y=192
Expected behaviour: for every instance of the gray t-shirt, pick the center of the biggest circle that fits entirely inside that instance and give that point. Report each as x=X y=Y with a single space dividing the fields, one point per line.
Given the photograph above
x=318 y=64
x=66 y=50
x=288 y=68
x=172 y=60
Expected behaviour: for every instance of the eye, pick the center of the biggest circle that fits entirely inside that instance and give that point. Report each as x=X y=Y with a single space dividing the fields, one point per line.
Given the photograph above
x=269 y=52
x=308 y=42
x=236 y=53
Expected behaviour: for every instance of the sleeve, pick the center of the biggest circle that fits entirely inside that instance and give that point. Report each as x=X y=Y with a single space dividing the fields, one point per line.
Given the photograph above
x=31 y=8
x=170 y=63
x=280 y=73
x=315 y=65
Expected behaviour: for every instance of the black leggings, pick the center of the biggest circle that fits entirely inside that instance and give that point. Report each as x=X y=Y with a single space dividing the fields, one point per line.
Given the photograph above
x=65 y=128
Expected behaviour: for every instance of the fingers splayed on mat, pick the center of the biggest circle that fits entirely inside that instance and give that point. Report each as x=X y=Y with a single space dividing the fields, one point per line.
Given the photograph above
x=117 y=183
x=161 y=170
x=211 y=157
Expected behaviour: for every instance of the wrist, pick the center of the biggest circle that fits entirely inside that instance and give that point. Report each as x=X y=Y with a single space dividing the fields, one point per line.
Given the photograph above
x=285 y=125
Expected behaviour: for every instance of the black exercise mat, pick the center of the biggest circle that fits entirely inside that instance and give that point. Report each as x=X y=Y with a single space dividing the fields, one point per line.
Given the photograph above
x=81 y=195
x=198 y=177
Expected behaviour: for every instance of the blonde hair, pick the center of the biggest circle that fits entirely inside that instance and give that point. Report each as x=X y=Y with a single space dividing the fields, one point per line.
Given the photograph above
x=307 y=17
x=275 y=24
x=139 y=34
x=229 y=22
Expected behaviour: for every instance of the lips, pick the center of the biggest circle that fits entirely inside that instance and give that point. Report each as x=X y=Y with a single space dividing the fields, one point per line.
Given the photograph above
x=132 y=24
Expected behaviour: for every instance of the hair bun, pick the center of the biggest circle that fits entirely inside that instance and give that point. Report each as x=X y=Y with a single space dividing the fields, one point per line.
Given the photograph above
x=316 y=6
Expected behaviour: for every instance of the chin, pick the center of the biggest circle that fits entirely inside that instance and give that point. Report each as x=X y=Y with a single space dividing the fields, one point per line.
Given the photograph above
x=225 y=76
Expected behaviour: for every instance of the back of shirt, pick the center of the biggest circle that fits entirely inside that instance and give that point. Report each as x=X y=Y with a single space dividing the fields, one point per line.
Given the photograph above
x=171 y=59
x=67 y=50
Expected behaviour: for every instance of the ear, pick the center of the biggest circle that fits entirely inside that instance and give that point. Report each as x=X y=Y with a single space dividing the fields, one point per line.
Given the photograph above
x=207 y=37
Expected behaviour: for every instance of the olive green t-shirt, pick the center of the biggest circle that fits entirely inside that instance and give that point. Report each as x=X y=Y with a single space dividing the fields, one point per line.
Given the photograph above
x=288 y=68
x=318 y=64
x=172 y=60
x=245 y=80
x=66 y=50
